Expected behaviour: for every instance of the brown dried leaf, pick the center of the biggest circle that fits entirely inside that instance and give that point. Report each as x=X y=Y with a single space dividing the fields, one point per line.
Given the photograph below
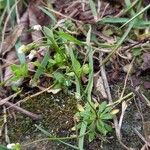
x=99 y=88
x=25 y=36
x=10 y=40
x=11 y=57
x=146 y=63
x=146 y=128
x=36 y=35
x=145 y=147
x=146 y=84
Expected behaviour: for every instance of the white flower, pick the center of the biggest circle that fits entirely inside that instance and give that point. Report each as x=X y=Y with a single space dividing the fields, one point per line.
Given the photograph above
x=32 y=54
x=21 y=49
x=37 y=27
x=11 y=146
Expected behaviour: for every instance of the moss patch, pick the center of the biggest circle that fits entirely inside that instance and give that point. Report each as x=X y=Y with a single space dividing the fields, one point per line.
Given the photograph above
x=57 y=112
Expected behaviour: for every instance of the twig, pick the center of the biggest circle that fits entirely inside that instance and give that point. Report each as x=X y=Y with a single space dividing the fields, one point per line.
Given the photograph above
x=106 y=85
x=17 y=108
x=3 y=101
x=32 y=96
x=62 y=15
x=5 y=125
x=141 y=137
x=5 y=25
x=23 y=111
x=126 y=78
x=137 y=93
x=124 y=107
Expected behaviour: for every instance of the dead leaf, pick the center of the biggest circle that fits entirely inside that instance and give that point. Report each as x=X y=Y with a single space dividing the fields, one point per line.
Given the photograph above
x=25 y=36
x=11 y=56
x=146 y=63
x=99 y=89
x=80 y=108
x=114 y=111
x=36 y=35
x=146 y=84
x=54 y=91
x=136 y=81
x=145 y=147
x=146 y=128
x=10 y=40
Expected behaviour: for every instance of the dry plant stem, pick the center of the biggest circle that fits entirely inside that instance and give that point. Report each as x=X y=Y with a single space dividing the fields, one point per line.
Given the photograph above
x=138 y=108
x=31 y=96
x=104 y=11
x=137 y=93
x=142 y=138
x=3 y=101
x=136 y=44
x=5 y=25
x=17 y=14
x=62 y=15
x=23 y=111
x=17 y=108
x=146 y=99
x=124 y=107
x=106 y=85
x=36 y=94
x=5 y=125
x=126 y=79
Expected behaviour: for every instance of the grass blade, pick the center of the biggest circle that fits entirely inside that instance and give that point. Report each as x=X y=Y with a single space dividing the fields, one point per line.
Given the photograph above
x=54 y=138
x=21 y=56
x=89 y=87
x=49 y=34
x=69 y=37
x=93 y=9
x=82 y=132
x=119 y=42
x=139 y=13
x=42 y=66
x=138 y=24
x=48 y=13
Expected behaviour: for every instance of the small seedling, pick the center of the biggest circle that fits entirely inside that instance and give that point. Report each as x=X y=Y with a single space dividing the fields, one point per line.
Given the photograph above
x=19 y=71
x=97 y=118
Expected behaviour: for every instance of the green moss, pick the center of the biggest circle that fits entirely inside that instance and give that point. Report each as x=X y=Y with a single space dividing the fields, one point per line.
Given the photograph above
x=57 y=112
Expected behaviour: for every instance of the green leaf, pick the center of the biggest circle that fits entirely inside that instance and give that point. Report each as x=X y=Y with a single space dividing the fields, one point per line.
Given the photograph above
x=51 y=63
x=135 y=16
x=100 y=127
x=137 y=51
x=48 y=13
x=111 y=20
x=41 y=67
x=50 y=35
x=3 y=148
x=106 y=116
x=91 y=135
x=69 y=37
x=120 y=41
x=107 y=110
x=82 y=132
x=58 y=76
x=20 y=71
x=21 y=56
x=77 y=67
x=85 y=69
x=59 y=59
x=108 y=127
x=61 y=79
x=93 y=9
x=102 y=107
